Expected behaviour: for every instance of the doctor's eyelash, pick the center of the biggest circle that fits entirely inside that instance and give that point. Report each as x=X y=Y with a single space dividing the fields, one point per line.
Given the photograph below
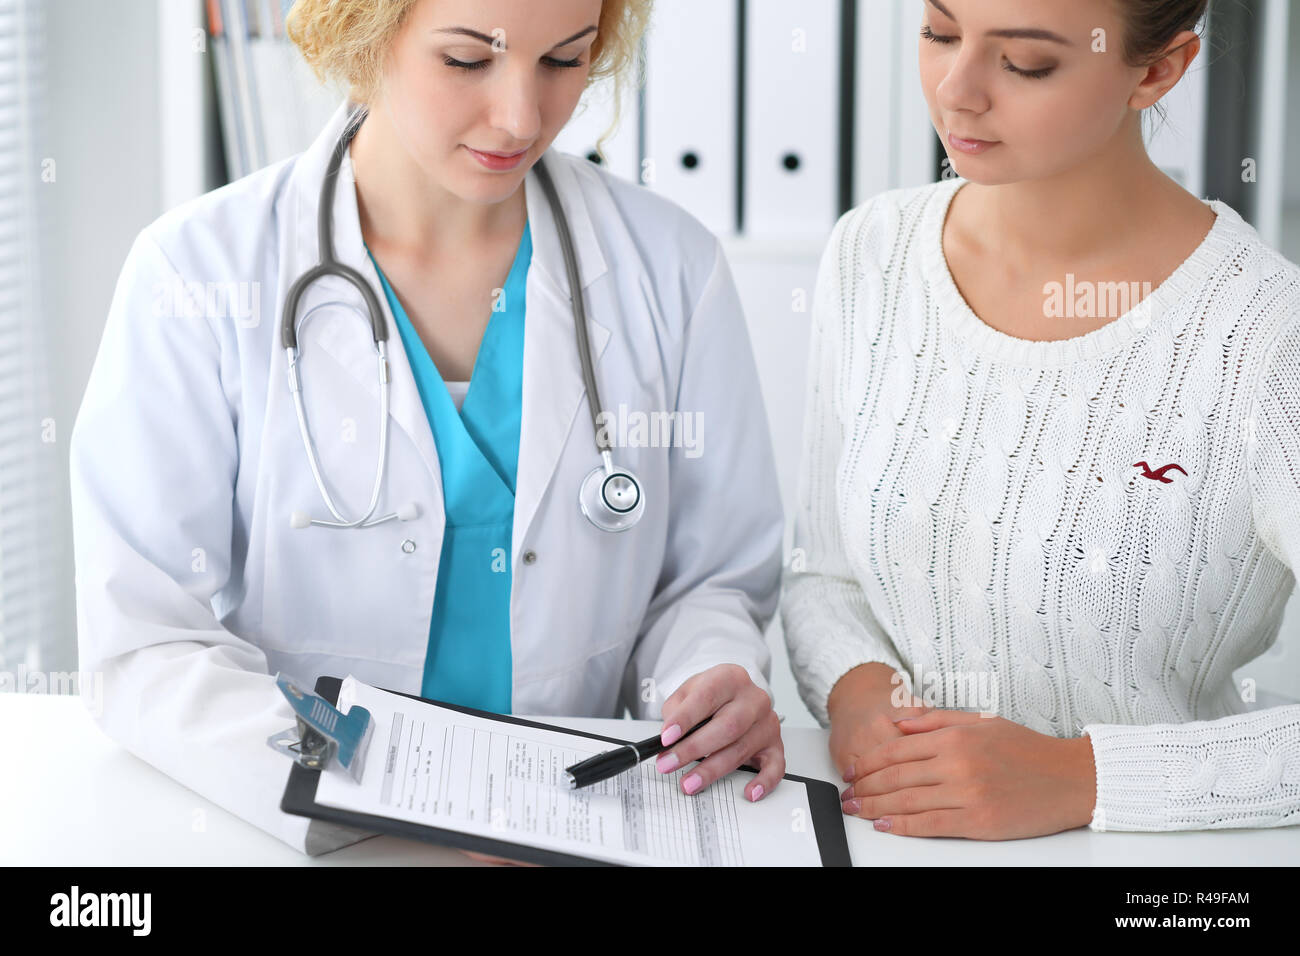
x=476 y=65
x=482 y=64
x=1007 y=65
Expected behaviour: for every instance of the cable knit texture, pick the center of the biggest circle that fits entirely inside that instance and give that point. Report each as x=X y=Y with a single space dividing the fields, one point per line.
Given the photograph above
x=970 y=508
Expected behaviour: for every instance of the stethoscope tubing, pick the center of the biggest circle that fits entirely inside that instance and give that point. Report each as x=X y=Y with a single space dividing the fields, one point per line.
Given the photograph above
x=619 y=519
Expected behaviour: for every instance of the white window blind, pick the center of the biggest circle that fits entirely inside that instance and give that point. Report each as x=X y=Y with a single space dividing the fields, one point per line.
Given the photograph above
x=31 y=531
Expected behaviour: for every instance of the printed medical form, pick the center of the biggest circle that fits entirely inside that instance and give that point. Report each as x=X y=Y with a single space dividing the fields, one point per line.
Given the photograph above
x=443 y=768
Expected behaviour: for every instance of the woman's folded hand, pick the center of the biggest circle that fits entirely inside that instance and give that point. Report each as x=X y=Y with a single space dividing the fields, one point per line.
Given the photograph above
x=959 y=774
x=863 y=706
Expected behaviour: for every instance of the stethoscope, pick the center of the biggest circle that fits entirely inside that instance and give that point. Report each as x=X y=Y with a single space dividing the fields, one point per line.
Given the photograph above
x=610 y=497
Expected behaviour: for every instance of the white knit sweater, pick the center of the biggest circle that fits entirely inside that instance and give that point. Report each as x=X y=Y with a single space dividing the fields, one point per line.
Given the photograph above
x=970 y=508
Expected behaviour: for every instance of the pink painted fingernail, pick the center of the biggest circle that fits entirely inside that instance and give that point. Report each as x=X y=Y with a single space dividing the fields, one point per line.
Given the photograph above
x=851 y=806
x=846 y=793
x=756 y=792
x=848 y=774
x=671 y=735
x=666 y=763
x=884 y=823
x=692 y=783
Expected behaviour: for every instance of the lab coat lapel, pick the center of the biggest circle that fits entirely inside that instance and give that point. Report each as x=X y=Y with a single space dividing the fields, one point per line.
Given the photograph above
x=553 y=388
x=343 y=333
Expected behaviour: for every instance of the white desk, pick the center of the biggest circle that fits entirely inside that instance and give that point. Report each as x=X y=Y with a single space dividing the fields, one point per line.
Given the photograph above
x=69 y=796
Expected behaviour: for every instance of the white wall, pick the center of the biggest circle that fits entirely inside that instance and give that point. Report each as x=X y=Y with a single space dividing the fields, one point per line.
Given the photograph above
x=102 y=129
x=768 y=279
x=1291 y=223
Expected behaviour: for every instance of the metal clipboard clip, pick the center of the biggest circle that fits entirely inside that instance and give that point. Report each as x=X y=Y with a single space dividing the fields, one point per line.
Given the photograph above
x=322 y=734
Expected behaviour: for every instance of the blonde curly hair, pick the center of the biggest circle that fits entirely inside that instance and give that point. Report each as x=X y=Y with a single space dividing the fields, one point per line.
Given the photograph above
x=347 y=41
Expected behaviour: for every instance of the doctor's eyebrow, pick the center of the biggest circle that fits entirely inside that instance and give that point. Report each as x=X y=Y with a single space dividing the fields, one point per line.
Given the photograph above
x=1017 y=33
x=466 y=31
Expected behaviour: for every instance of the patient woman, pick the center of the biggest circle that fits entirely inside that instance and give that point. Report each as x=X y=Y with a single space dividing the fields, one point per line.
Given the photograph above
x=1050 y=498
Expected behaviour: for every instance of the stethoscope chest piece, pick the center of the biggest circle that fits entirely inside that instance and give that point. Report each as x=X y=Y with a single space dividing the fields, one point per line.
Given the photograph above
x=611 y=497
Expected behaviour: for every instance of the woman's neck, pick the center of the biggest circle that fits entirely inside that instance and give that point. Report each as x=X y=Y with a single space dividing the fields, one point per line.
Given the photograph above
x=401 y=207
x=1069 y=217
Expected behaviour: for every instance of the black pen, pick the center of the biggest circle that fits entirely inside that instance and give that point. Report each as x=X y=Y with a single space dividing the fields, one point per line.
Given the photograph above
x=613 y=762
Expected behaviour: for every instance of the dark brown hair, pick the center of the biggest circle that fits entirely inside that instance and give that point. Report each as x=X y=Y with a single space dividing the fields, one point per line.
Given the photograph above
x=1152 y=24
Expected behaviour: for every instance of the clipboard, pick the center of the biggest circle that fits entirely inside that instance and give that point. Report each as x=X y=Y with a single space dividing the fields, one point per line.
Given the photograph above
x=300 y=799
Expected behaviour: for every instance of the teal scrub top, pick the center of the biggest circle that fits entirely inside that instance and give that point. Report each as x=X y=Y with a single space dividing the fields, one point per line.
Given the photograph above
x=468 y=660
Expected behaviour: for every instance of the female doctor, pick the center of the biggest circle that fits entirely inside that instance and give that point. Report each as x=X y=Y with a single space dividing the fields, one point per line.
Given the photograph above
x=517 y=540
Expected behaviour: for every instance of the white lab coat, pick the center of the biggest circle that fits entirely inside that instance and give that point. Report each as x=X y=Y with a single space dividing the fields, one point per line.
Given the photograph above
x=186 y=463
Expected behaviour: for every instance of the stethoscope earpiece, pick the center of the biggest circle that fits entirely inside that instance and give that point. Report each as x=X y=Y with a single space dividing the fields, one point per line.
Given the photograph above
x=407 y=512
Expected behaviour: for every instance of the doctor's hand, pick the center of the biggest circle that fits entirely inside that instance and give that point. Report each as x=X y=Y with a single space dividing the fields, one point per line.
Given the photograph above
x=744 y=729
x=959 y=774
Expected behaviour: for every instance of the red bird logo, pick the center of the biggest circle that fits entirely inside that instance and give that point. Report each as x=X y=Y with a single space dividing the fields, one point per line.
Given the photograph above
x=1159 y=474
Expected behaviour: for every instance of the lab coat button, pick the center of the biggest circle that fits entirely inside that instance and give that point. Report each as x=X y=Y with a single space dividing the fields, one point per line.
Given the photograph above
x=530 y=557
x=408 y=545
